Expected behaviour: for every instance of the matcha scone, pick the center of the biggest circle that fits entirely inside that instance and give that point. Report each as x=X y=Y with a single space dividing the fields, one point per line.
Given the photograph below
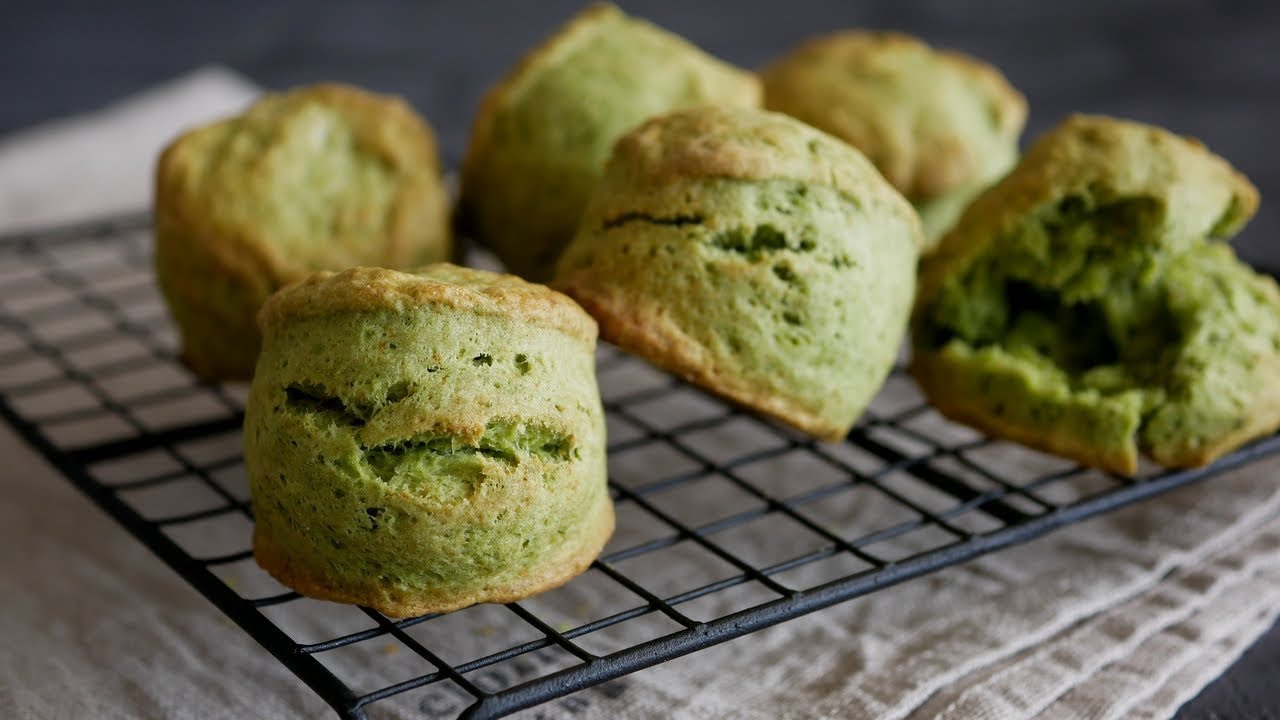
x=540 y=138
x=421 y=442
x=938 y=124
x=753 y=255
x=1083 y=305
x=318 y=178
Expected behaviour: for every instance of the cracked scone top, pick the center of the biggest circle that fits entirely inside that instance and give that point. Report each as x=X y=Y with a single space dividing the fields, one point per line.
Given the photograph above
x=541 y=136
x=753 y=255
x=939 y=125
x=422 y=442
x=1083 y=306
x=318 y=178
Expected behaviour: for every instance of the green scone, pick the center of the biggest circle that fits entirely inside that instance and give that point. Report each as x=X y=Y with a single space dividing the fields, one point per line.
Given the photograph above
x=422 y=442
x=938 y=124
x=541 y=137
x=1081 y=306
x=753 y=255
x=319 y=178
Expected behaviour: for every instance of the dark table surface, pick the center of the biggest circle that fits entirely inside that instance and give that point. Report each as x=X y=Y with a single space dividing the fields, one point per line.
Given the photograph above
x=1202 y=68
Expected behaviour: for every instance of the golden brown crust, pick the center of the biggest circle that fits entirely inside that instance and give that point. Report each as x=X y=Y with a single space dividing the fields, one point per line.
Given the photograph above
x=933 y=374
x=190 y=249
x=541 y=135
x=1008 y=106
x=277 y=564
x=1261 y=418
x=748 y=144
x=217 y=263
x=479 y=291
x=645 y=331
x=922 y=165
x=384 y=126
x=497 y=96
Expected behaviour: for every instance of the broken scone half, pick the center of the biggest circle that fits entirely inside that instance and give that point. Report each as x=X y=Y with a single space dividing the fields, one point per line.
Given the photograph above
x=1082 y=306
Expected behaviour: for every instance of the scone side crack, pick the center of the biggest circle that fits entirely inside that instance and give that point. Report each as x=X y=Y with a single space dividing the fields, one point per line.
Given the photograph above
x=751 y=242
x=774 y=233
x=502 y=441
x=630 y=217
x=315 y=398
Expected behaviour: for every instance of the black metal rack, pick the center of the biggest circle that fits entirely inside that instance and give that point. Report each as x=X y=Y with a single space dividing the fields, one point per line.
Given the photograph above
x=89 y=378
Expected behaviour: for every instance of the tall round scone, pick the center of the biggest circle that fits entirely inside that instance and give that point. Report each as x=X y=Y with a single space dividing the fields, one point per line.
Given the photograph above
x=541 y=136
x=753 y=255
x=319 y=178
x=938 y=124
x=421 y=442
x=1082 y=306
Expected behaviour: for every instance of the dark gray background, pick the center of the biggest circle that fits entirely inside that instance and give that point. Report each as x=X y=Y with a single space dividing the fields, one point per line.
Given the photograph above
x=1208 y=69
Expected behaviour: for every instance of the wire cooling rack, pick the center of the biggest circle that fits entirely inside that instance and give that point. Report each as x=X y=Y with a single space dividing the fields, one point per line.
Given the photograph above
x=726 y=524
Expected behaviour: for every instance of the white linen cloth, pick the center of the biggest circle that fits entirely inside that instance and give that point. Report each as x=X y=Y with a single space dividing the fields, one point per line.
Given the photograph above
x=1126 y=615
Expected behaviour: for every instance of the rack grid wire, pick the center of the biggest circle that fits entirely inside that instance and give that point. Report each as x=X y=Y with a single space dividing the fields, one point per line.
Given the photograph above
x=727 y=524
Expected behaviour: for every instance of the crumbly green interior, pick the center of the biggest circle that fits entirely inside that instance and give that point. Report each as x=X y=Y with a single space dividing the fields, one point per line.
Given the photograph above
x=1089 y=320
x=774 y=279
x=554 y=130
x=397 y=454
